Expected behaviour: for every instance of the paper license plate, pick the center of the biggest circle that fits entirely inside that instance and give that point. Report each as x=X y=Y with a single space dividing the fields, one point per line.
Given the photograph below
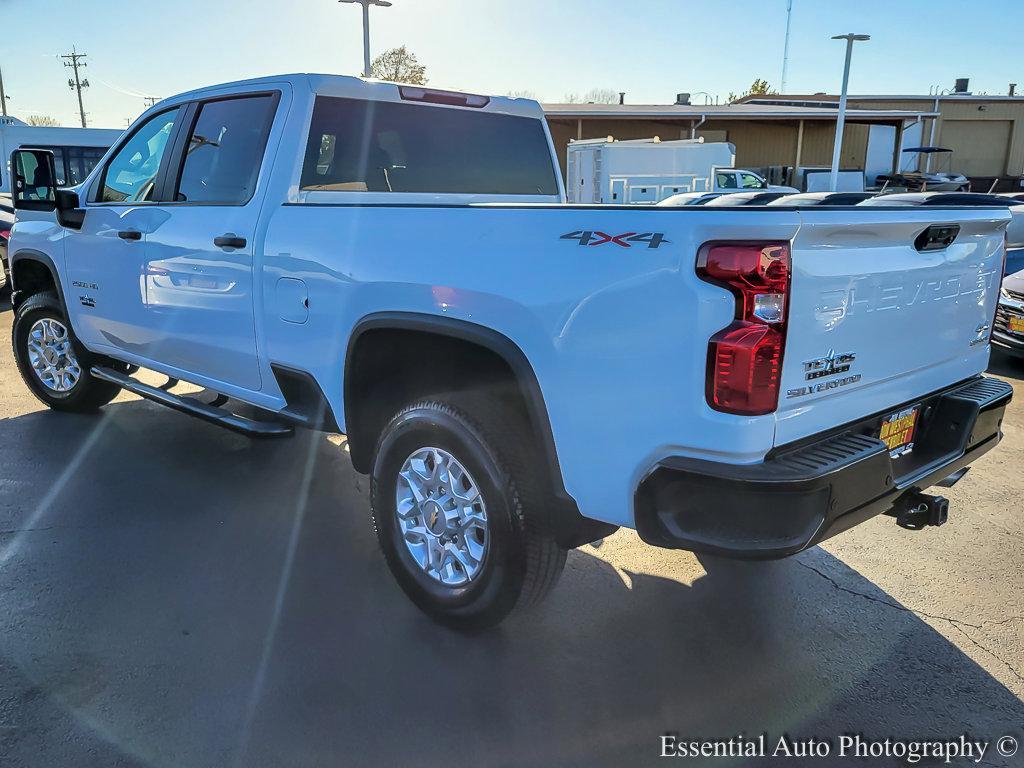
x=898 y=430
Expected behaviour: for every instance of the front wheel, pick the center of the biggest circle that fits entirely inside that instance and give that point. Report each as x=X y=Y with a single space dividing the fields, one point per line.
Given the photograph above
x=52 y=362
x=459 y=518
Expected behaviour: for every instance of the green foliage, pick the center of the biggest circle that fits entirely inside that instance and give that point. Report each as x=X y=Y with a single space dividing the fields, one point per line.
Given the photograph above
x=399 y=65
x=757 y=88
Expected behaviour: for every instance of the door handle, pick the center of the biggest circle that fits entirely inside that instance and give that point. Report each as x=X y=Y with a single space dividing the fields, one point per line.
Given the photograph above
x=229 y=241
x=130 y=234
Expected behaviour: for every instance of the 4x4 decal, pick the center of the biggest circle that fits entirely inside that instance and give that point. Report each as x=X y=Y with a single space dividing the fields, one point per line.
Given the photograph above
x=625 y=240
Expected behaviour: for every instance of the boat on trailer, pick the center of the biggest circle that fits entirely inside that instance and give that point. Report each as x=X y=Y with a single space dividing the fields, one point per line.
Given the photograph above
x=928 y=181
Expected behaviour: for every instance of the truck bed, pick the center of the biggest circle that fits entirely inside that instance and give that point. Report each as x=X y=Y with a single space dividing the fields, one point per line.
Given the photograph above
x=607 y=302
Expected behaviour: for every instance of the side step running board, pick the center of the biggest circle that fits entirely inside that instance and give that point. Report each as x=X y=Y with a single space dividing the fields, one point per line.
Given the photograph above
x=192 y=407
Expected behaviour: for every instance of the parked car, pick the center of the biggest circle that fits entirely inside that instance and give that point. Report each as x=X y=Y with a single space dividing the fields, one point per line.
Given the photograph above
x=822 y=198
x=746 y=198
x=971 y=199
x=690 y=198
x=1014 y=232
x=517 y=379
x=1008 y=333
x=740 y=179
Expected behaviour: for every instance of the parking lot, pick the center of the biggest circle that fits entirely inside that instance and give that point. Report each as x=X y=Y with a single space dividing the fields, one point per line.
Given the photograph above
x=172 y=594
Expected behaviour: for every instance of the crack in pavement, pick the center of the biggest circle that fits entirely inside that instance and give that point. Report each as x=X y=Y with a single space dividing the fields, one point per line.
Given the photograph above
x=989 y=651
x=957 y=624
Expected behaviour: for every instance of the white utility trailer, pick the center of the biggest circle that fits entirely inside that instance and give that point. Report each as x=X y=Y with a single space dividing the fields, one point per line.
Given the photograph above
x=642 y=171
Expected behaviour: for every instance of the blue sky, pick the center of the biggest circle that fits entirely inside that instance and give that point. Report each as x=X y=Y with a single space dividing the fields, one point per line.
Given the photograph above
x=649 y=48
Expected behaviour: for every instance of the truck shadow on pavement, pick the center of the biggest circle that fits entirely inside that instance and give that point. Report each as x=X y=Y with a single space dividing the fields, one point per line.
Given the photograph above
x=1003 y=364
x=171 y=594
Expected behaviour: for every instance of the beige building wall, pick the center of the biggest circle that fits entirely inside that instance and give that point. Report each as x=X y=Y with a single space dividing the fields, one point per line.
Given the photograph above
x=988 y=135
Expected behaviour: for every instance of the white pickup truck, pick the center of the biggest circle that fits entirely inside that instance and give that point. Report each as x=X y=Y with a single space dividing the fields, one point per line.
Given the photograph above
x=518 y=375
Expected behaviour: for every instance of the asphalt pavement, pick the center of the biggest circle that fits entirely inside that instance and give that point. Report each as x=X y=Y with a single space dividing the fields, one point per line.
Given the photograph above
x=172 y=594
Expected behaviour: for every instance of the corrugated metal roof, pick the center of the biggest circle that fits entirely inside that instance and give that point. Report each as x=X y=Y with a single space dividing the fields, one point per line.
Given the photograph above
x=722 y=112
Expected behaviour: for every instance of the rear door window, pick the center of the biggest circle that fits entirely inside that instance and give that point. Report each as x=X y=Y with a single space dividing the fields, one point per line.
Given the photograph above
x=378 y=146
x=224 y=150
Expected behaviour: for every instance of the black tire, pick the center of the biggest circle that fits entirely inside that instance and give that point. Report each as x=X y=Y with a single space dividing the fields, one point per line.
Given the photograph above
x=522 y=561
x=88 y=394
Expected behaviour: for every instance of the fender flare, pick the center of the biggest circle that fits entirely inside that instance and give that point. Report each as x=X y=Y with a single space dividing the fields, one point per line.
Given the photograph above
x=572 y=529
x=487 y=338
x=30 y=254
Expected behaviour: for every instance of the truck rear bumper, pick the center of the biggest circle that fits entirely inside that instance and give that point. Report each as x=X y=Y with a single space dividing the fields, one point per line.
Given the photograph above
x=805 y=493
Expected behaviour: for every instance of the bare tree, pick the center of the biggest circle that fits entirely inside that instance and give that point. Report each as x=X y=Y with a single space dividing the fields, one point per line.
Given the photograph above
x=523 y=94
x=43 y=120
x=601 y=96
x=572 y=98
x=399 y=65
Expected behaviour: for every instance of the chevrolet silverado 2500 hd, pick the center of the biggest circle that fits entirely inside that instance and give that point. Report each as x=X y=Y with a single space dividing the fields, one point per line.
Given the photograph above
x=518 y=376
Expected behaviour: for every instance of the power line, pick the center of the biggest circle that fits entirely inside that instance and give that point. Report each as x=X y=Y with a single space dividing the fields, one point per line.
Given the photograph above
x=73 y=60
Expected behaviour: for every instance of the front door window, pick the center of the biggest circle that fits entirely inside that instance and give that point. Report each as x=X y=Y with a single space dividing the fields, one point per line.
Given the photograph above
x=130 y=176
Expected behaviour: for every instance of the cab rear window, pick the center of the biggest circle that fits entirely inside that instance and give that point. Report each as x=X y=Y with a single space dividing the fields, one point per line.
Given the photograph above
x=374 y=146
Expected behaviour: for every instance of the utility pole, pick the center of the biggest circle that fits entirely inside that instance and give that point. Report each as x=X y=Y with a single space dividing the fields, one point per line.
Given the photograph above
x=150 y=100
x=785 y=47
x=73 y=60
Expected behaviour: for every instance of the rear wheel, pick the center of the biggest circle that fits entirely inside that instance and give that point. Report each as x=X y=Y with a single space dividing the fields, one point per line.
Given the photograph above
x=52 y=362
x=460 y=520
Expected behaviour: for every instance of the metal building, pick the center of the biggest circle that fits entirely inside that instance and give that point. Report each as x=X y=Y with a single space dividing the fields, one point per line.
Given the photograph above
x=984 y=132
x=765 y=135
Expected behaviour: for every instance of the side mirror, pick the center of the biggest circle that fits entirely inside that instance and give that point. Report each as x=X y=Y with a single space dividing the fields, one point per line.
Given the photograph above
x=34 y=185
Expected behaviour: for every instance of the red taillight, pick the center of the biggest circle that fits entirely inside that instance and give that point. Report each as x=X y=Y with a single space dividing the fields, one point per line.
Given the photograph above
x=745 y=359
x=434 y=96
x=5 y=234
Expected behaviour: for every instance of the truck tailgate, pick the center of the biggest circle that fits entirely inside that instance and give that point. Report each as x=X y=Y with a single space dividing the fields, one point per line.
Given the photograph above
x=875 y=323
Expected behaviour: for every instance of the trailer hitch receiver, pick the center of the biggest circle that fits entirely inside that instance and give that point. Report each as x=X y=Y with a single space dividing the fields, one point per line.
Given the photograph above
x=918 y=510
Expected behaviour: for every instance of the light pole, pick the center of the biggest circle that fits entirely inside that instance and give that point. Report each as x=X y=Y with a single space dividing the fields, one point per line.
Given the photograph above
x=833 y=179
x=366 y=28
